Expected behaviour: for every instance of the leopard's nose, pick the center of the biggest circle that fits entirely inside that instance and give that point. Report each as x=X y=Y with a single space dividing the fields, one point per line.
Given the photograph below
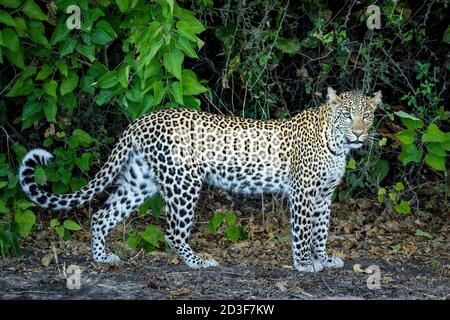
x=357 y=133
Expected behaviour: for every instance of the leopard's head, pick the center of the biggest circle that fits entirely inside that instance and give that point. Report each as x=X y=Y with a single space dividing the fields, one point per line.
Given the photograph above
x=353 y=115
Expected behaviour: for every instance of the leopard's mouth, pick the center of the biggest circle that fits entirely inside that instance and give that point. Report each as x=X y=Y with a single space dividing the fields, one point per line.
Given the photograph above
x=354 y=143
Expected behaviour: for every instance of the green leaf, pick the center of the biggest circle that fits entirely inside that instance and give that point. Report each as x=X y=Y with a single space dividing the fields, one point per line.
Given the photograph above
x=50 y=88
x=62 y=67
x=382 y=142
x=436 y=162
x=26 y=221
x=133 y=240
x=170 y=3
x=185 y=30
x=39 y=176
x=71 y=225
x=50 y=109
x=87 y=50
x=104 y=96
x=45 y=71
x=108 y=80
x=410 y=154
x=177 y=92
x=10 y=39
x=3 y=208
x=190 y=101
x=380 y=170
x=215 y=223
x=15 y=58
x=13 y=4
x=83 y=162
x=77 y=183
x=69 y=83
x=437 y=149
x=446 y=36
x=420 y=233
x=3 y=184
x=153 y=235
x=393 y=196
x=403 y=207
x=5 y=18
x=21 y=27
x=189 y=17
x=123 y=75
x=103 y=33
x=235 y=233
x=54 y=222
x=60 y=33
x=406 y=136
x=231 y=218
x=433 y=134
x=22 y=87
x=37 y=34
x=24 y=204
x=159 y=91
x=191 y=86
x=186 y=46
x=399 y=186
x=289 y=46
x=381 y=194
x=156 y=204
x=8 y=239
x=67 y=46
x=123 y=5
x=60 y=231
x=351 y=164
x=80 y=137
x=172 y=62
x=410 y=121
x=32 y=10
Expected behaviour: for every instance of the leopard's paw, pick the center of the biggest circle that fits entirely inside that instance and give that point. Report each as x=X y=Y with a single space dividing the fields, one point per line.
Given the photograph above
x=106 y=258
x=331 y=262
x=202 y=263
x=308 y=266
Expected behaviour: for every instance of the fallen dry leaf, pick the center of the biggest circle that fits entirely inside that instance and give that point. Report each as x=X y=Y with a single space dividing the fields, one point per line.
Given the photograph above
x=177 y=293
x=45 y=261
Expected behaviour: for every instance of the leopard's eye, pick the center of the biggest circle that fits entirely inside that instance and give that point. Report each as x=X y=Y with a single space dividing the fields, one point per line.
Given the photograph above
x=366 y=115
x=346 y=114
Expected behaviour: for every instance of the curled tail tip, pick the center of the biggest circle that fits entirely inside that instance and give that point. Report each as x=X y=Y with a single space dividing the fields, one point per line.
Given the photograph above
x=36 y=156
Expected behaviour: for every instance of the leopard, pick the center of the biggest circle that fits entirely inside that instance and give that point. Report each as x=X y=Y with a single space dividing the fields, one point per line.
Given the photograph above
x=174 y=152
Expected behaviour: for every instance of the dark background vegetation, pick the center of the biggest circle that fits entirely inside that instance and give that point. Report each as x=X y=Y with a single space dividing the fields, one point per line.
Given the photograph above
x=74 y=92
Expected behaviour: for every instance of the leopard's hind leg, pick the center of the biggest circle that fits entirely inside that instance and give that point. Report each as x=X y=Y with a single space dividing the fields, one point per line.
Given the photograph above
x=134 y=187
x=181 y=192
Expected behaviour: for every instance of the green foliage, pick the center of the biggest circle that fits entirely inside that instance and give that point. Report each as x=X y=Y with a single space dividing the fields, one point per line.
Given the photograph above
x=232 y=231
x=434 y=143
x=16 y=218
x=128 y=56
x=60 y=88
x=393 y=197
x=65 y=229
x=151 y=239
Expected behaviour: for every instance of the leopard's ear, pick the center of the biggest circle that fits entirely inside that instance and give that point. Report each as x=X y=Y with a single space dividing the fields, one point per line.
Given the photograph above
x=333 y=97
x=376 y=99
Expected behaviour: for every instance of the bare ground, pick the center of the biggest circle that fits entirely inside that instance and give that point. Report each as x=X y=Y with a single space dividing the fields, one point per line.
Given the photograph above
x=411 y=266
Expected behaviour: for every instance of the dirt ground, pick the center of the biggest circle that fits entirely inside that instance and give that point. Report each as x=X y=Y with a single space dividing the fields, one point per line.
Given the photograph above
x=411 y=264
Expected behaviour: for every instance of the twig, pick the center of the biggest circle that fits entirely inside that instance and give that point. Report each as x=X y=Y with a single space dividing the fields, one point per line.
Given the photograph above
x=272 y=46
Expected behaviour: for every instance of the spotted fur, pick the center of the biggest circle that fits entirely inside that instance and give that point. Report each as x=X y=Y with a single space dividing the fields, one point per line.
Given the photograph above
x=175 y=151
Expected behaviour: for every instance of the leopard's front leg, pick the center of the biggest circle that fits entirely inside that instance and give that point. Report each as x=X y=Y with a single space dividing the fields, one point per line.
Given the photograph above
x=320 y=224
x=301 y=208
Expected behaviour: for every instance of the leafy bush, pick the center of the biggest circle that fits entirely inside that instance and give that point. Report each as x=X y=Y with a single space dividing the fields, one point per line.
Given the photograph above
x=75 y=90
x=128 y=57
x=232 y=231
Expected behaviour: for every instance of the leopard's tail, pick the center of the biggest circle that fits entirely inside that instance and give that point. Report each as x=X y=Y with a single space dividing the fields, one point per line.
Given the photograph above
x=102 y=179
